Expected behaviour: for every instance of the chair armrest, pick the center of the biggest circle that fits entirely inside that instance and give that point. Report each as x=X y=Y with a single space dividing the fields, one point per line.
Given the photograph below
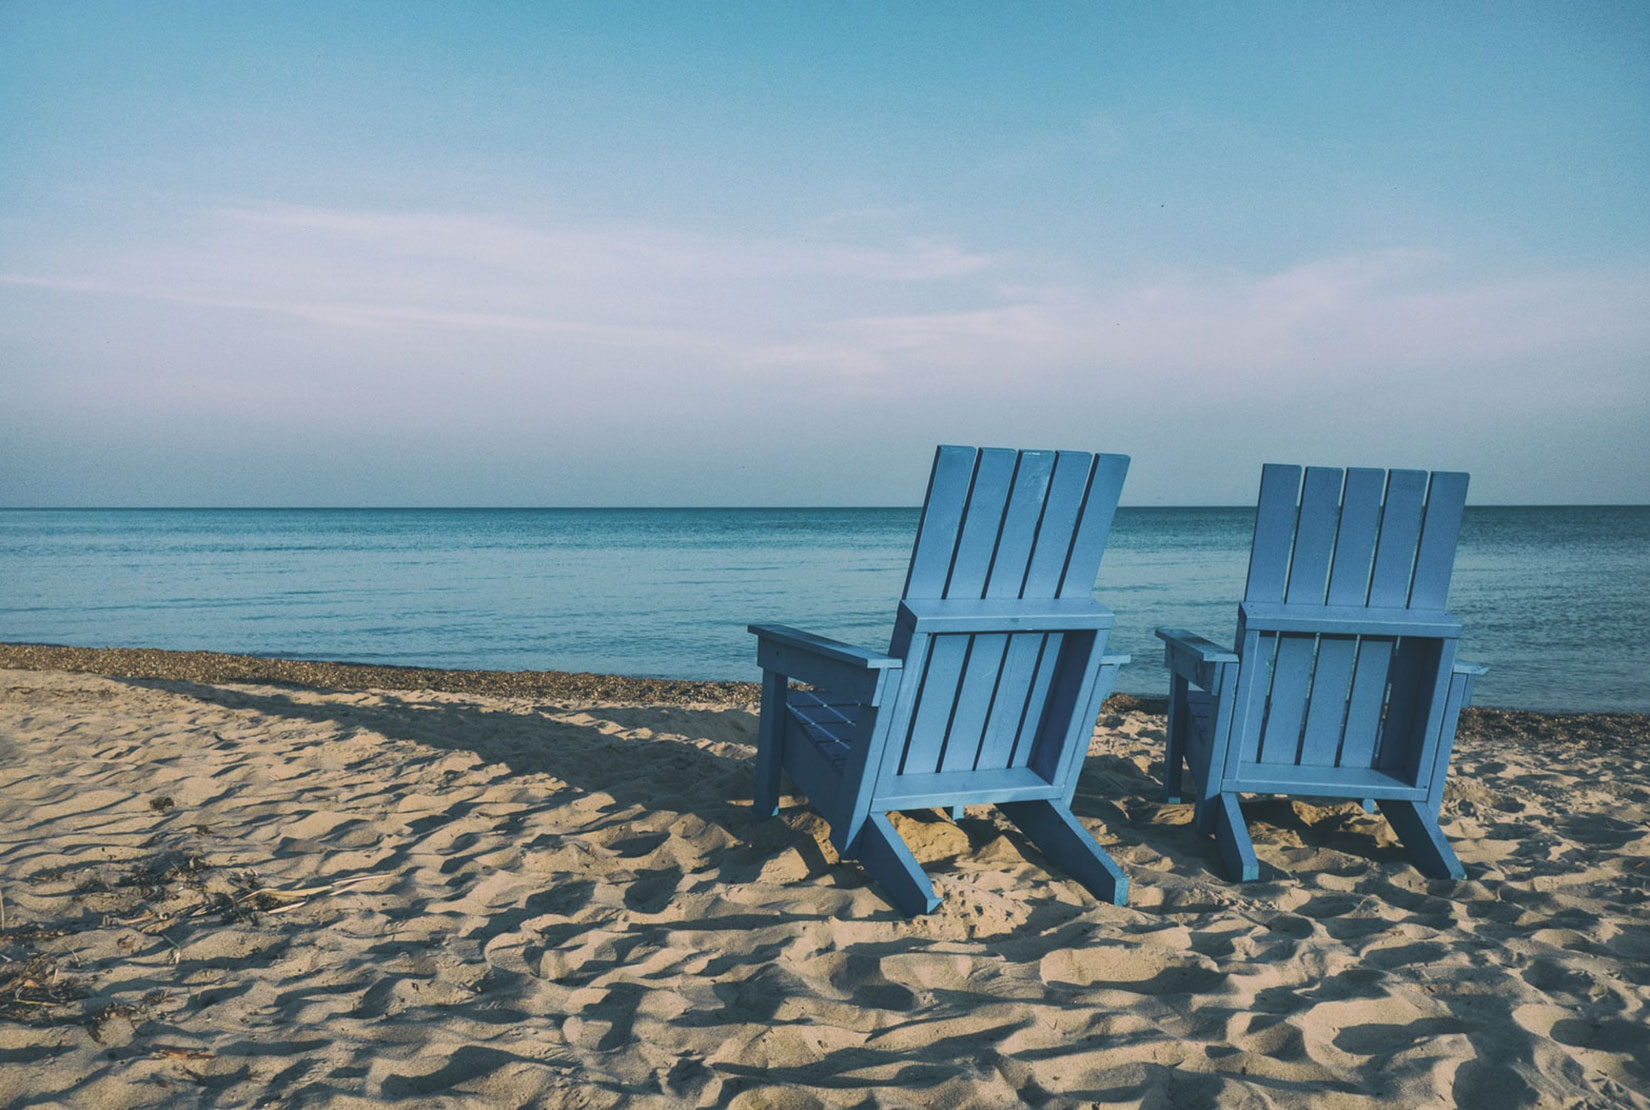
x=950 y=615
x=823 y=646
x=1114 y=660
x=824 y=663
x=1463 y=677
x=1193 y=658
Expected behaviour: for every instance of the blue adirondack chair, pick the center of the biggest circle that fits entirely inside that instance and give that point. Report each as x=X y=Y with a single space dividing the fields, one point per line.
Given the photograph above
x=1343 y=681
x=989 y=690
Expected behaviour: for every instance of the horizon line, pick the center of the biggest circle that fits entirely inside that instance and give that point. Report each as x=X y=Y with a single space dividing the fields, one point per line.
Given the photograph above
x=690 y=508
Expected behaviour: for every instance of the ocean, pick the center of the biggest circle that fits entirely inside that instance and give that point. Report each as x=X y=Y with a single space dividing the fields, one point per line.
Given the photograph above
x=1555 y=600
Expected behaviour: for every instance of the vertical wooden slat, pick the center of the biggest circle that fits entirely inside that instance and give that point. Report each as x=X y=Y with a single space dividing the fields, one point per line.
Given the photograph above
x=1066 y=488
x=1274 y=532
x=1395 y=551
x=1440 y=531
x=1460 y=692
x=1025 y=509
x=1089 y=542
x=1098 y=679
x=885 y=753
x=982 y=523
x=974 y=702
x=1355 y=543
x=1331 y=684
x=1020 y=662
x=942 y=510
x=1286 y=708
x=1314 y=535
x=1437 y=665
x=1411 y=681
x=1363 y=713
x=938 y=696
x=1063 y=741
x=1256 y=650
x=1031 y=719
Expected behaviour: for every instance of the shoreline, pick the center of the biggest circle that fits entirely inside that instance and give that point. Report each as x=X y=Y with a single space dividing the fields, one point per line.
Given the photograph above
x=1605 y=728
x=216 y=668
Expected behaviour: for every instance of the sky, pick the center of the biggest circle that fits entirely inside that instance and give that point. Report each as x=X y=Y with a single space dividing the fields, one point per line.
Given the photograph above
x=771 y=254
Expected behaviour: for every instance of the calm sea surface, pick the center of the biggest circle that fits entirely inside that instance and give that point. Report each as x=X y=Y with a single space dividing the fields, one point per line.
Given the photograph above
x=1555 y=600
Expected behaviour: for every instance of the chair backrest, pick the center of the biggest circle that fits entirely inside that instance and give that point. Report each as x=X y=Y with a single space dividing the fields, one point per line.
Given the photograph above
x=1357 y=537
x=1002 y=524
x=1345 y=642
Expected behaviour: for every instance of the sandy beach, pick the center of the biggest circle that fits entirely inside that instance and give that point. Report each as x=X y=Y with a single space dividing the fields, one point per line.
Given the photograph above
x=260 y=883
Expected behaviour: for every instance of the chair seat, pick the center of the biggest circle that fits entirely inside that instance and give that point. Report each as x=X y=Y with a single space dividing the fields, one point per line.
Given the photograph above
x=1199 y=707
x=827 y=722
x=1327 y=781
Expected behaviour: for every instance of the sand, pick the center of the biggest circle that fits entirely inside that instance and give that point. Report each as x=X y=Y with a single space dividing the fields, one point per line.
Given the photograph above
x=250 y=893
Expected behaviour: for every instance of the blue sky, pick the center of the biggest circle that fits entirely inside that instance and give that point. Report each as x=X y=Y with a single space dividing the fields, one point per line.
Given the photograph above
x=639 y=254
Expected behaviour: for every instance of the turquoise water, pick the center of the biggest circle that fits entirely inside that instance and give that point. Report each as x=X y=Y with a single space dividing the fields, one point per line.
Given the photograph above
x=1553 y=599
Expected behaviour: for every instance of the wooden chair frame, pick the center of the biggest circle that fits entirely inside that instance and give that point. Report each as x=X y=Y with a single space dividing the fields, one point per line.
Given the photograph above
x=992 y=682
x=1343 y=679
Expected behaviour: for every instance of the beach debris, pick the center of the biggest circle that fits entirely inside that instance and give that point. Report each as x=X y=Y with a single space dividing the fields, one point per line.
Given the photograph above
x=270 y=900
x=168 y=1053
x=32 y=983
x=153 y=895
x=98 y=1018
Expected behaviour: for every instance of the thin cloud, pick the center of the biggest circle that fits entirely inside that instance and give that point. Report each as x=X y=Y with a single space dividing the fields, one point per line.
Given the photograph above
x=620 y=246
x=383 y=317
x=1401 y=312
x=622 y=285
x=909 y=311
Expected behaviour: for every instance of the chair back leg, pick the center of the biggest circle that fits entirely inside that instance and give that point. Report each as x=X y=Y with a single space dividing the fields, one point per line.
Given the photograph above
x=887 y=860
x=1069 y=846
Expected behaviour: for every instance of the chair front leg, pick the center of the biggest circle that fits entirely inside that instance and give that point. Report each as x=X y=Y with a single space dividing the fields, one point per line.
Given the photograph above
x=1232 y=837
x=770 y=743
x=1174 y=756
